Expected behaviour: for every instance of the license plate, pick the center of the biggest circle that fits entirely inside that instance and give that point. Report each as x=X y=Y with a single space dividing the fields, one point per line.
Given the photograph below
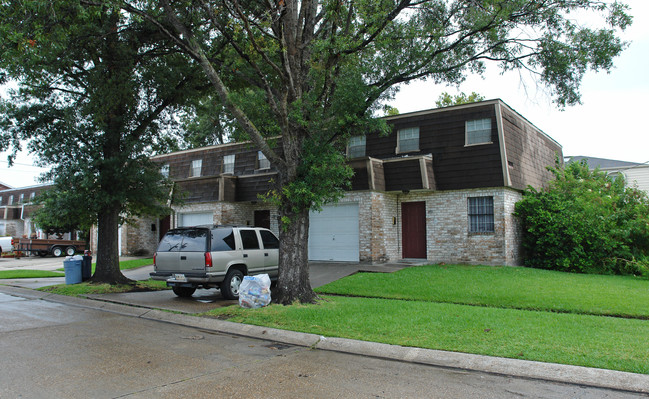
x=180 y=277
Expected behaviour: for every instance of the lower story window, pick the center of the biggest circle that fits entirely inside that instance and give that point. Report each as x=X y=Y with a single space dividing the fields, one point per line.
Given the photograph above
x=481 y=214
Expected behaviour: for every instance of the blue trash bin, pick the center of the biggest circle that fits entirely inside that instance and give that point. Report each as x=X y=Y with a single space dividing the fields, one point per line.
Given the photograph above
x=72 y=270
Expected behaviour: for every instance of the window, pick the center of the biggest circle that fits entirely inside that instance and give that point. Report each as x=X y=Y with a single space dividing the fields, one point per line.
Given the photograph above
x=22 y=198
x=269 y=240
x=194 y=241
x=32 y=196
x=249 y=239
x=228 y=164
x=408 y=139
x=11 y=200
x=171 y=241
x=478 y=131
x=481 y=214
x=195 y=171
x=223 y=239
x=0 y=199
x=262 y=161
x=164 y=171
x=356 y=147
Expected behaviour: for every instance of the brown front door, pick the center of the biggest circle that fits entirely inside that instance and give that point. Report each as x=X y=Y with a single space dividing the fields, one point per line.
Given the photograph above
x=413 y=229
x=262 y=219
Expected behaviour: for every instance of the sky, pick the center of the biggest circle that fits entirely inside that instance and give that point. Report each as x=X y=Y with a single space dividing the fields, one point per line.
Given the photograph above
x=608 y=124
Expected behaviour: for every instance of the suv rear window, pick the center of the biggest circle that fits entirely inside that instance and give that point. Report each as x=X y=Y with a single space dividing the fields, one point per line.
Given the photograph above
x=223 y=239
x=171 y=241
x=194 y=241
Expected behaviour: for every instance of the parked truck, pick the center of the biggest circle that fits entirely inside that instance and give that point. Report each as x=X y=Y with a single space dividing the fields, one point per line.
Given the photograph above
x=44 y=247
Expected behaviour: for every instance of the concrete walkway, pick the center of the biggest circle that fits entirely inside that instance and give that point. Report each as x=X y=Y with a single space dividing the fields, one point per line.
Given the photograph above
x=148 y=305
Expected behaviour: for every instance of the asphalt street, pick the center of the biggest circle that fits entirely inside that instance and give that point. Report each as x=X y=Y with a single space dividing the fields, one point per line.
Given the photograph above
x=58 y=350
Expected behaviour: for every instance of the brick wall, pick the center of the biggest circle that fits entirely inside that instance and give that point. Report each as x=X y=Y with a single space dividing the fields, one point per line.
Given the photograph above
x=447 y=233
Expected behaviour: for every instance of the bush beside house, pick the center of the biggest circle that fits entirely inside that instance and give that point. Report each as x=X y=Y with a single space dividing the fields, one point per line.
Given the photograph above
x=587 y=222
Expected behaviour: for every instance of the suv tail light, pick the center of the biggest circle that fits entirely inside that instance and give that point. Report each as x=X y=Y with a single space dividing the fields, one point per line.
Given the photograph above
x=208 y=259
x=154 y=255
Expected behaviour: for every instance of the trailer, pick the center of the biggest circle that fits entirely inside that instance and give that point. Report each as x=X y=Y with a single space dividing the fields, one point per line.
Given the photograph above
x=44 y=247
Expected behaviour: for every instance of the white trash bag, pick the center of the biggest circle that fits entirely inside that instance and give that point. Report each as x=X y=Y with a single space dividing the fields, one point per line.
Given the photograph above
x=254 y=291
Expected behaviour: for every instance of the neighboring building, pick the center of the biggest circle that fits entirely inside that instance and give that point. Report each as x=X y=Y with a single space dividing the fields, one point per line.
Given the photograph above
x=16 y=211
x=4 y=186
x=441 y=187
x=635 y=174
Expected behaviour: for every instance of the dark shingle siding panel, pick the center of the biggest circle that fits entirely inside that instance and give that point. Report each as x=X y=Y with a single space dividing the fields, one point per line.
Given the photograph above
x=248 y=188
x=529 y=152
x=442 y=134
x=402 y=175
x=198 y=190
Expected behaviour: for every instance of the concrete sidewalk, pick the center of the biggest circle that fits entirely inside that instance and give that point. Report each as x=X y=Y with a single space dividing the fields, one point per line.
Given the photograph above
x=583 y=376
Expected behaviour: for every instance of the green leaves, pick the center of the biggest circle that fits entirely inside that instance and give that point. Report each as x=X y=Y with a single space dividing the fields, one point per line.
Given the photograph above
x=586 y=222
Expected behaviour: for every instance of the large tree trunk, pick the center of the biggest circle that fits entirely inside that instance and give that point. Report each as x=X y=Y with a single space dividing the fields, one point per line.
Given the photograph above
x=293 y=284
x=107 y=270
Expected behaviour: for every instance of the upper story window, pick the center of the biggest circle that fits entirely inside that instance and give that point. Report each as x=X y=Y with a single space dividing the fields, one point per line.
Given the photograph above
x=32 y=196
x=481 y=214
x=478 y=131
x=164 y=171
x=11 y=200
x=197 y=165
x=262 y=161
x=22 y=198
x=408 y=139
x=228 y=164
x=0 y=199
x=356 y=147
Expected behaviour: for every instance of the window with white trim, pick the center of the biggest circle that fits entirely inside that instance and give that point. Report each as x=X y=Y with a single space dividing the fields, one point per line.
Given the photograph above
x=164 y=171
x=32 y=196
x=262 y=161
x=356 y=147
x=11 y=200
x=228 y=164
x=478 y=131
x=408 y=139
x=481 y=214
x=22 y=198
x=197 y=165
x=0 y=199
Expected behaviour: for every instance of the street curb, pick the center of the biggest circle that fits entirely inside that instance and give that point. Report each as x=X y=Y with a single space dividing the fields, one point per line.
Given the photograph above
x=577 y=375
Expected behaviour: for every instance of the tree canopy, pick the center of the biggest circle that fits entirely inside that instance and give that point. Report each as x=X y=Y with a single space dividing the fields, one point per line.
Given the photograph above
x=317 y=71
x=446 y=100
x=96 y=91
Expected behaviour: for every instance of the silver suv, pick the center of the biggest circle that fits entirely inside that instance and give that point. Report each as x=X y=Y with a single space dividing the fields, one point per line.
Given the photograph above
x=214 y=257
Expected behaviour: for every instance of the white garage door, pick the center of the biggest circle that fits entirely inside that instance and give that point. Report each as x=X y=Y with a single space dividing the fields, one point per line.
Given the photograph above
x=333 y=233
x=195 y=219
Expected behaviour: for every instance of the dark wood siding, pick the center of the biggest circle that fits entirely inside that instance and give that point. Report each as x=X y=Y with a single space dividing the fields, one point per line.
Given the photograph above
x=442 y=134
x=529 y=151
x=402 y=175
x=198 y=190
x=360 y=180
x=249 y=187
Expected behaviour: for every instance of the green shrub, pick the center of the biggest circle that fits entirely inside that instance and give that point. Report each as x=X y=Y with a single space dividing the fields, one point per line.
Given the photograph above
x=586 y=221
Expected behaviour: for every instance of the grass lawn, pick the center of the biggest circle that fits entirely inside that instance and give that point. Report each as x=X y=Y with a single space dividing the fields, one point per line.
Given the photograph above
x=128 y=264
x=13 y=274
x=505 y=287
x=88 y=288
x=429 y=314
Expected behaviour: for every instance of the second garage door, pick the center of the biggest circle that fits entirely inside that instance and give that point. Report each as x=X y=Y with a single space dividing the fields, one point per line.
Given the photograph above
x=195 y=219
x=333 y=233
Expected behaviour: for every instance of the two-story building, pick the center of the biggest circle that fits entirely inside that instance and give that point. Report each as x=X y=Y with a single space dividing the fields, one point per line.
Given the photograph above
x=441 y=187
x=16 y=211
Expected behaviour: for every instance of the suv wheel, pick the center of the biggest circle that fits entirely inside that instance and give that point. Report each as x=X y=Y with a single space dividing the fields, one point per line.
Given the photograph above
x=231 y=283
x=184 y=292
